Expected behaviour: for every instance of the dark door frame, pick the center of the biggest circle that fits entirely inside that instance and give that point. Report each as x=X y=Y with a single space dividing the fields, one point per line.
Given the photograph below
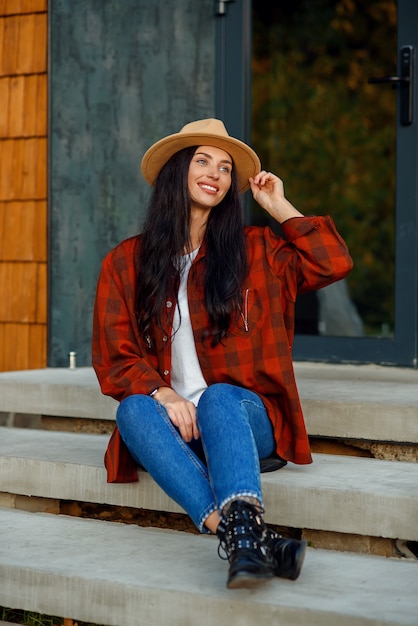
x=233 y=105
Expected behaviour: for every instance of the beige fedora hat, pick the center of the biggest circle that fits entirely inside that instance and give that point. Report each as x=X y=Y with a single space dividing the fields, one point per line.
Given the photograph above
x=208 y=132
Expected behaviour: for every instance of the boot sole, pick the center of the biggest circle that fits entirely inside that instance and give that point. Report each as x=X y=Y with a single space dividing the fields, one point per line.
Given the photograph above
x=246 y=580
x=299 y=560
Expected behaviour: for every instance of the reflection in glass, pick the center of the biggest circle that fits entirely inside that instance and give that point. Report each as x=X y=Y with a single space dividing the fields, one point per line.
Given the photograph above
x=330 y=135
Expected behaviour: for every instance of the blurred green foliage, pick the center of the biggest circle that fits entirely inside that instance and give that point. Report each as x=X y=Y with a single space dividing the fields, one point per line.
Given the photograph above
x=29 y=618
x=327 y=133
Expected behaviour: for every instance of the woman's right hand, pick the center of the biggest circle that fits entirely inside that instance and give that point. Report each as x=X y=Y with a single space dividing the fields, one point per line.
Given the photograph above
x=180 y=411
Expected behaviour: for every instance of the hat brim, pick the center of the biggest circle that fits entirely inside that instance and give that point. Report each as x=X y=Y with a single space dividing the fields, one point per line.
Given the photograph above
x=246 y=162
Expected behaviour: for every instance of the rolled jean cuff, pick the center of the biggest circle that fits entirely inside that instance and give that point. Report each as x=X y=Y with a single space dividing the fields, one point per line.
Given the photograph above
x=201 y=524
x=238 y=496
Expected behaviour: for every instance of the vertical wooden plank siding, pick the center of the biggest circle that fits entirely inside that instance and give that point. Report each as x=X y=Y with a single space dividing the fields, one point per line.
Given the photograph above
x=23 y=184
x=19 y=7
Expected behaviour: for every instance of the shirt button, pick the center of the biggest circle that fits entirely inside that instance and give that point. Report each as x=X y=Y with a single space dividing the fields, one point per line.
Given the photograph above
x=165 y=338
x=166 y=372
x=168 y=304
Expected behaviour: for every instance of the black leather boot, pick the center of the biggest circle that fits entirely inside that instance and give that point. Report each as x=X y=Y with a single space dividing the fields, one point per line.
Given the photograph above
x=288 y=554
x=241 y=533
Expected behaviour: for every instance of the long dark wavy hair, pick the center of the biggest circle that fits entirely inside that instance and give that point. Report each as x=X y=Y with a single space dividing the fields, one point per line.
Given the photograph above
x=166 y=236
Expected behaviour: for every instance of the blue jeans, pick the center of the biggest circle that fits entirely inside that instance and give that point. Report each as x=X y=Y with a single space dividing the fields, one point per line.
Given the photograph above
x=204 y=475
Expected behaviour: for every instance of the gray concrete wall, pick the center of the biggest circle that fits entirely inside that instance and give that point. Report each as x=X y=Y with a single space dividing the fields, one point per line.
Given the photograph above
x=122 y=74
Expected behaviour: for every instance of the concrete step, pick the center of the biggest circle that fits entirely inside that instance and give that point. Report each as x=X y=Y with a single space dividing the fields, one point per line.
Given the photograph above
x=343 y=401
x=359 y=401
x=57 y=391
x=343 y=494
x=122 y=575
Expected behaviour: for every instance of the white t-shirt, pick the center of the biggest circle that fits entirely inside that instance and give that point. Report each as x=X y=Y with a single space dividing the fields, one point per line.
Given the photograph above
x=186 y=375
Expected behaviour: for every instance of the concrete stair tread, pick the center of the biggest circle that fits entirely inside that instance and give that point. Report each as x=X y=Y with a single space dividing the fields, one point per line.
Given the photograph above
x=56 y=391
x=120 y=574
x=336 y=493
x=359 y=401
x=348 y=401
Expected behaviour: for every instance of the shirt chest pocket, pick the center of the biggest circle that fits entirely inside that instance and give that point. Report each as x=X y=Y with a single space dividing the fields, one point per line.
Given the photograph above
x=250 y=316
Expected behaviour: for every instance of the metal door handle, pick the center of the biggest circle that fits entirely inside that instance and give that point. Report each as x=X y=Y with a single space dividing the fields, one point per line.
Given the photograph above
x=390 y=79
x=405 y=81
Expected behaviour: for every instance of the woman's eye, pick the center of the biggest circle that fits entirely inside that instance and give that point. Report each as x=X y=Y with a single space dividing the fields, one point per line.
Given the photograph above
x=225 y=169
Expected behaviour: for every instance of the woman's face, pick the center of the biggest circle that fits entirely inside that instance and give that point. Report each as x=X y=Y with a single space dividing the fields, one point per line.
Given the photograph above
x=209 y=176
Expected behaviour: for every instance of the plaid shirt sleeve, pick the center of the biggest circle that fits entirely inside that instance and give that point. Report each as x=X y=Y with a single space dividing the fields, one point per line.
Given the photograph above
x=118 y=358
x=321 y=257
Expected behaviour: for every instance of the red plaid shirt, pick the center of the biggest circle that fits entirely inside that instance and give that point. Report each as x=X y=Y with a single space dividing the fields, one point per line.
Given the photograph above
x=256 y=353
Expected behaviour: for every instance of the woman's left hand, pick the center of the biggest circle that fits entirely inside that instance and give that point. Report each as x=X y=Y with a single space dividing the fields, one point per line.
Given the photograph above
x=268 y=192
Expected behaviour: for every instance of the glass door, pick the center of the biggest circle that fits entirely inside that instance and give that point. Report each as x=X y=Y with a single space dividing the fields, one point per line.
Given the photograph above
x=331 y=137
x=332 y=93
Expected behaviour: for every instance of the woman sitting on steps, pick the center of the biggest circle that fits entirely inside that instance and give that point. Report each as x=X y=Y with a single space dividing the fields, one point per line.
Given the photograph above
x=193 y=328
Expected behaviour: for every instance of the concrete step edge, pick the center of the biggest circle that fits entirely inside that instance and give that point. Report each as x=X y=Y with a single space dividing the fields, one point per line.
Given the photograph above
x=120 y=574
x=353 y=402
x=363 y=496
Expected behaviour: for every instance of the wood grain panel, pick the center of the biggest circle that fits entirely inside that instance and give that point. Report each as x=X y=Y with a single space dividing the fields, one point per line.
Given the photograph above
x=23 y=110
x=23 y=346
x=23 y=184
x=18 y=284
x=36 y=351
x=23 y=169
x=41 y=173
x=23 y=44
x=4 y=106
x=14 y=7
x=41 y=105
x=9 y=37
x=32 y=44
x=41 y=291
x=22 y=173
x=23 y=231
x=6 y=170
x=14 y=339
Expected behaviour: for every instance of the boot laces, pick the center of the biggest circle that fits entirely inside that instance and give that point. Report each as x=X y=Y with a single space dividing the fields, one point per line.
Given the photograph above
x=238 y=533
